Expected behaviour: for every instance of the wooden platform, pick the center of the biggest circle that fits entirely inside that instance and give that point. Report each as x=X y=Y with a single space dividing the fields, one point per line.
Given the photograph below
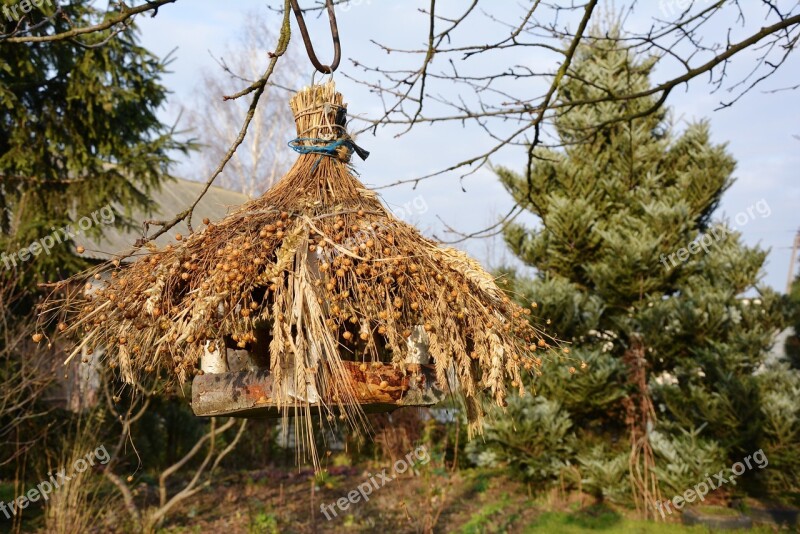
x=380 y=388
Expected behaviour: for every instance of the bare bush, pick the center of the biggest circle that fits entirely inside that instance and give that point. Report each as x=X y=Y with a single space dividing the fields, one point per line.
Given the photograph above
x=209 y=450
x=25 y=373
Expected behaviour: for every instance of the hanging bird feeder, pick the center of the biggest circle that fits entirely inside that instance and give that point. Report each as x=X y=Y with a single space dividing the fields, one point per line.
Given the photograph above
x=312 y=299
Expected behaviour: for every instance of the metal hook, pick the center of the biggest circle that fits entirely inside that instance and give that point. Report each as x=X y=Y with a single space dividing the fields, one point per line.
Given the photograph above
x=337 y=49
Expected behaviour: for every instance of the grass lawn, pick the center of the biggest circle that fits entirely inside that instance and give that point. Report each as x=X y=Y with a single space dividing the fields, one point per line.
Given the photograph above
x=603 y=519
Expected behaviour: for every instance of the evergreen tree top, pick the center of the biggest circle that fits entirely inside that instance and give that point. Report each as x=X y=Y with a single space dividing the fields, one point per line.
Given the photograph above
x=623 y=209
x=626 y=191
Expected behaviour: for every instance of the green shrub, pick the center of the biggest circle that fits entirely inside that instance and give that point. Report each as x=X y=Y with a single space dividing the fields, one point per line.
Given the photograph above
x=684 y=459
x=534 y=441
x=604 y=474
x=780 y=389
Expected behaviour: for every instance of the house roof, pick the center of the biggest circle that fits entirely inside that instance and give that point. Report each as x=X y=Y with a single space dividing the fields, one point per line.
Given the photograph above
x=170 y=199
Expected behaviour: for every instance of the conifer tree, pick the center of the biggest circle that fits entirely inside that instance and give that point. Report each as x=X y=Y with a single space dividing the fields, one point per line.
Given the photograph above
x=79 y=135
x=632 y=269
x=78 y=131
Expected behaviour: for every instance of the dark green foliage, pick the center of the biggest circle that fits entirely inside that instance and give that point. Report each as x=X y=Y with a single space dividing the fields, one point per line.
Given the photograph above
x=780 y=388
x=78 y=131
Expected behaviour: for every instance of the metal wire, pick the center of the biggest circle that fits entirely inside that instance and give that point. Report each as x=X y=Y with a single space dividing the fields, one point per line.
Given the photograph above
x=337 y=49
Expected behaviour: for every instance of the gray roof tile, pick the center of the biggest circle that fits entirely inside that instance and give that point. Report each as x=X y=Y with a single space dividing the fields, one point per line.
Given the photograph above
x=173 y=197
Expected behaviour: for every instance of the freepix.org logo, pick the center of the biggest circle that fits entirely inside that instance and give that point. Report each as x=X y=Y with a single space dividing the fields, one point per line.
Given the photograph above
x=375 y=482
x=715 y=234
x=701 y=489
x=14 y=12
x=57 y=480
x=104 y=215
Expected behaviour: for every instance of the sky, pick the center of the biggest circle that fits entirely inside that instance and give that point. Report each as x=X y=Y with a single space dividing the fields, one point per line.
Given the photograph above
x=759 y=130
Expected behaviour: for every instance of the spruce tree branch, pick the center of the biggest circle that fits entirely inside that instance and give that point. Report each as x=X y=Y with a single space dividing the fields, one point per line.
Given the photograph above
x=20 y=29
x=124 y=26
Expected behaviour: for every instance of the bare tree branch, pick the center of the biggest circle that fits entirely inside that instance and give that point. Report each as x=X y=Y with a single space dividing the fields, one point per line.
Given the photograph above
x=487 y=98
x=257 y=89
x=123 y=17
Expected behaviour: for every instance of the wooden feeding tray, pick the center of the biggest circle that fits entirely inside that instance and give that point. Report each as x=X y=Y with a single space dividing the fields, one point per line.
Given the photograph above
x=379 y=388
x=236 y=381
